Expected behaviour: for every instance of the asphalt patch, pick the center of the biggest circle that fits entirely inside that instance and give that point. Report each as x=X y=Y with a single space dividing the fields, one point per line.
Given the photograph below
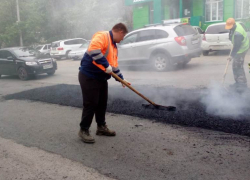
x=190 y=109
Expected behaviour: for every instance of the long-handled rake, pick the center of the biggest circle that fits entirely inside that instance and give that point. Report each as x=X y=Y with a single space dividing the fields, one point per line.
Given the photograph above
x=152 y=105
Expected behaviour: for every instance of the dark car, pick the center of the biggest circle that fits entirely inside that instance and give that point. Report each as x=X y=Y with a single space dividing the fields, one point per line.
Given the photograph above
x=25 y=62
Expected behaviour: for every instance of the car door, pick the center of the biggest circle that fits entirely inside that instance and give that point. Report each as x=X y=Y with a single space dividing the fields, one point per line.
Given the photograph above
x=2 y=63
x=10 y=62
x=125 y=48
x=146 y=40
x=75 y=44
x=8 y=66
x=48 y=51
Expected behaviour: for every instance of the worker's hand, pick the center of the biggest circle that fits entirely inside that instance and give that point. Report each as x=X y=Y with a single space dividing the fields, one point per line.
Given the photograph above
x=108 y=70
x=229 y=58
x=126 y=82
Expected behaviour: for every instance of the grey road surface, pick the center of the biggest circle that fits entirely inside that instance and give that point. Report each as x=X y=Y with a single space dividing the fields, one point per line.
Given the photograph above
x=200 y=72
x=142 y=149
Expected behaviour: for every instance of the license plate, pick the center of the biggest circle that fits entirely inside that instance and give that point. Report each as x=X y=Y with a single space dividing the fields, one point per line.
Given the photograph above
x=48 y=66
x=219 y=47
x=195 y=41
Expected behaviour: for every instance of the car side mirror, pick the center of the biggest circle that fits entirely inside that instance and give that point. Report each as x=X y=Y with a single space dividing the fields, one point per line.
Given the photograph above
x=10 y=58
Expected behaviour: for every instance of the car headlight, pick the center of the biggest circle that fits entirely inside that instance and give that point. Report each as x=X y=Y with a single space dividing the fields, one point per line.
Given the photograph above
x=31 y=63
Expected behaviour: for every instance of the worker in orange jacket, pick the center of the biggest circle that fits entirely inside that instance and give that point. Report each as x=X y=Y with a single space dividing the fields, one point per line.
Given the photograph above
x=96 y=66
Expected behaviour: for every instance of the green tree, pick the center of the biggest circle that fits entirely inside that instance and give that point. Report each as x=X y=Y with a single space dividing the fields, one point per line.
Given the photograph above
x=45 y=21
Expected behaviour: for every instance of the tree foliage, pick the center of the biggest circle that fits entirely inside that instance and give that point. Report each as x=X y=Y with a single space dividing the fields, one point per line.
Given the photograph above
x=44 y=21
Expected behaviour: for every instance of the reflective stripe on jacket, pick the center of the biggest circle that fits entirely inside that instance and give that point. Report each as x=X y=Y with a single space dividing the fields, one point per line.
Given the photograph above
x=245 y=43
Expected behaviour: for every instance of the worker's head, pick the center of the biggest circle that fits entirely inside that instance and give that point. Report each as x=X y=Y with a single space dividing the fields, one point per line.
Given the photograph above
x=119 y=31
x=230 y=23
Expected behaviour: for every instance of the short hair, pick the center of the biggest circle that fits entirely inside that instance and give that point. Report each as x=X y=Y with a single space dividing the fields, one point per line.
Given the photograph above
x=120 y=27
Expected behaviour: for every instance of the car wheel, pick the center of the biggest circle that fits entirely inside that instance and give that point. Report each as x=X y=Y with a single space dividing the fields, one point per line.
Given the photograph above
x=51 y=73
x=23 y=74
x=0 y=76
x=161 y=62
x=67 y=54
x=205 y=53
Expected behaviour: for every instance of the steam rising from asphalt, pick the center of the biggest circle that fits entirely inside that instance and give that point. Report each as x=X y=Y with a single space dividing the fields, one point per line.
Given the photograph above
x=227 y=103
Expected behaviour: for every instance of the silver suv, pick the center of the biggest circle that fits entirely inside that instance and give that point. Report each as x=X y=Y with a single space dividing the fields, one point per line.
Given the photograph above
x=62 y=48
x=161 y=46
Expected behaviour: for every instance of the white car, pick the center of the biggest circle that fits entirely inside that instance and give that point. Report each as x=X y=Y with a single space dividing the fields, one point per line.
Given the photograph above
x=62 y=48
x=45 y=49
x=216 y=38
x=78 y=54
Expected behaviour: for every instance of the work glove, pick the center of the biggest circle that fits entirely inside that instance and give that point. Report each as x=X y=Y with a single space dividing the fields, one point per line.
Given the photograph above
x=126 y=82
x=108 y=70
x=229 y=58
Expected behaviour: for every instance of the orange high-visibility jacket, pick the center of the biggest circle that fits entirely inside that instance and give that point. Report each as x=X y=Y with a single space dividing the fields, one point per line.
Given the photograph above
x=101 y=53
x=101 y=48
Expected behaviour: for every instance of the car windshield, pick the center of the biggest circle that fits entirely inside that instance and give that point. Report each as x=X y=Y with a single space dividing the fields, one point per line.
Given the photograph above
x=217 y=29
x=26 y=52
x=85 y=45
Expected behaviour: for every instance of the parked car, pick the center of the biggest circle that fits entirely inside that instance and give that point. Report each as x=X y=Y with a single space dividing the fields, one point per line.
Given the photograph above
x=216 y=38
x=45 y=49
x=60 y=49
x=24 y=62
x=78 y=53
x=161 y=46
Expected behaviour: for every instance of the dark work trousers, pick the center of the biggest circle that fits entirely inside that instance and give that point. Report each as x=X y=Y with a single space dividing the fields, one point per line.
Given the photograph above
x=238 y=69
x=95 y=97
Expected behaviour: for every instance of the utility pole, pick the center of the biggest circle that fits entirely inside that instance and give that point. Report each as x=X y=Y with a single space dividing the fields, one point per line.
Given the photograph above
x=18 y=20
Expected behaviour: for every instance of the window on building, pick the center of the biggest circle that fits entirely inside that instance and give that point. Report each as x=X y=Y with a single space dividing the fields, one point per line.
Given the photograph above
x=214 y=10
x=242 y=9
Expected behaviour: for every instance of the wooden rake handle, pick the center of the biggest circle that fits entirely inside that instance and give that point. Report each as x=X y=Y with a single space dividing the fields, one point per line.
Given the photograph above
x=130 y=87
x=228 y=62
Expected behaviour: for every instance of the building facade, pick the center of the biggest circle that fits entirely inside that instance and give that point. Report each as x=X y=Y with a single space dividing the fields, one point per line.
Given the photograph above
x=198 y=12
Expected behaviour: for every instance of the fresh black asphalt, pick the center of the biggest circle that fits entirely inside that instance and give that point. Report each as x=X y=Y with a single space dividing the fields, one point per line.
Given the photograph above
x=190 y=110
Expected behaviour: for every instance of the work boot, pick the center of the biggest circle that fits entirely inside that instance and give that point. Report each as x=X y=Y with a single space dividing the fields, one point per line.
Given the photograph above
x=85 y=136
x=104 y=131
